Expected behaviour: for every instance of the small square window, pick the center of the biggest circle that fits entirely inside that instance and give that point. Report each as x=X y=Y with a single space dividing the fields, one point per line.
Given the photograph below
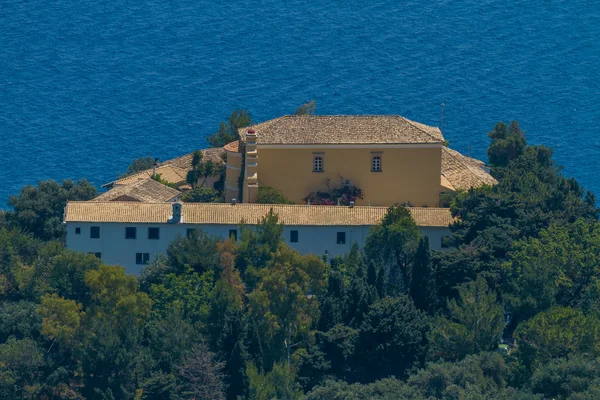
x=190 y=232
x=293 y=236
x=78 y=231
x=97 y=255
x=142 y=258
x=233 y=234
x=95 y=232
x=153 y=233
x=341 y=238
x=130 y=232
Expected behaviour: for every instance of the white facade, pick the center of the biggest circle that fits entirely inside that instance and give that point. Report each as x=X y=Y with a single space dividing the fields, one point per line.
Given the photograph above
x=113 y=247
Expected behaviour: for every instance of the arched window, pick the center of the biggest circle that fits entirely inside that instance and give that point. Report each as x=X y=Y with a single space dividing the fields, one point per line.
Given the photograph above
x=376 y=164
x=318 y=164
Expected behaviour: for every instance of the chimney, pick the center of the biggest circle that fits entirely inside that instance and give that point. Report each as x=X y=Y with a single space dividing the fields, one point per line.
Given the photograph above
x=351 y=204
x=233 y=201
x=154 y=165
x=176 y=216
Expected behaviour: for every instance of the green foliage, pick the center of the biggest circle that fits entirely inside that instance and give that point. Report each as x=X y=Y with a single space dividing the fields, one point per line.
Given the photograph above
x=158 y=178
x=21 y=363
x=202 y=170
x=507 y=144
x=202 y=195
x=391 y=338
x=229 y=131
x=197 y=251
x=558 y=332
x=576 y=377
x=138 y=165
x=560 y=267
x=39 y=210
x=422 y=279
x=279 y=383
x=475 y=323
x=392 y=244
x=254 y=319
x=307 y=108
x=271 y=195
x=280 y=303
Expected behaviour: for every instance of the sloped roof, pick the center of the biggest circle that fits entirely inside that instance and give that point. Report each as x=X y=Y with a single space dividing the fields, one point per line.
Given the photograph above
x=232 y=147
x=144 y=190
x=174 y=170
x=344 y=129
x=464 y=172
x=223 y=213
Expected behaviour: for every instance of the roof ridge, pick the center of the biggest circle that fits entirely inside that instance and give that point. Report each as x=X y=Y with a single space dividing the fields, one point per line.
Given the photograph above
x=468 y=167
x=412 y=123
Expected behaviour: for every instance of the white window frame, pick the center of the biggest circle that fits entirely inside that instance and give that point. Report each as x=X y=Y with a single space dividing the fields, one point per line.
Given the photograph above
x=318 y=162
x=376 y=158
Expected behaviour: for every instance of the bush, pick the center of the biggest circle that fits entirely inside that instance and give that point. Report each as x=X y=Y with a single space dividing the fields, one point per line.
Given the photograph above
x=202 y=195
x=270 y=195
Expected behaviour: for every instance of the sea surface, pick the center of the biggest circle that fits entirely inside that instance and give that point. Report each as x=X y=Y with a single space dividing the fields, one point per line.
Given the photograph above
x=87 y=86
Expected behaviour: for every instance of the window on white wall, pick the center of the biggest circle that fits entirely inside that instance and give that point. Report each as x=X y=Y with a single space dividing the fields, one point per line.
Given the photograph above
x=233 y=234
x=341 y=238
x=294 y=236
x=153 y=233
x=77 y=231
x=130 y=232
x=190 y=232
x=94 y=232
x=142 y=258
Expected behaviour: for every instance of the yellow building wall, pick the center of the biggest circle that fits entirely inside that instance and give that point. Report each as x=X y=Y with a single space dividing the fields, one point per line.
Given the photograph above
x=408 y=174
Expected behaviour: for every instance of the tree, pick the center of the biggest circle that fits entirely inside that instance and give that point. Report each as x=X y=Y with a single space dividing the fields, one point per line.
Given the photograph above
x=391 y=339
x=271 y=195
x=307 y=108
x=229 y=131
x=139 y=165
x=200 y=376
x=202 y=195
x=62 y=318
x=507 y=144
x=392 y=244
x=574 y=377
x=475 y=323
x=422 y=281
x=281 y=304
x=197 y=251
x=558 y=332
x=557 y=268
x=202 y=170
x=21 y=363
x=39 y=210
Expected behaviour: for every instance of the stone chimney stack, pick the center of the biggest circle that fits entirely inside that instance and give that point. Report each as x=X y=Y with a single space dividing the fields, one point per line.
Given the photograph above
x=176 y=216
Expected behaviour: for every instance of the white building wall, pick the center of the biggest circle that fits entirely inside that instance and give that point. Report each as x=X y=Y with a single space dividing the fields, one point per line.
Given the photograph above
x=116 y=250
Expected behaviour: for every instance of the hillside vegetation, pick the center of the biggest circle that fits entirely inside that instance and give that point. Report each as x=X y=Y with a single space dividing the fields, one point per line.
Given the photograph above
x=256 y=320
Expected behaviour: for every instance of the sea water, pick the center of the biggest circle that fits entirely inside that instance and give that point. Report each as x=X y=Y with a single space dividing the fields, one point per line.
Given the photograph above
x=87 y=86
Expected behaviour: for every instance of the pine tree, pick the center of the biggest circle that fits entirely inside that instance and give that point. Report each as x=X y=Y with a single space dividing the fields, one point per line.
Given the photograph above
x=422 y=283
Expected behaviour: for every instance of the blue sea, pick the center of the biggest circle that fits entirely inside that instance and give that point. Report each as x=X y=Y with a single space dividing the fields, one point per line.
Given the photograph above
x=87 y=86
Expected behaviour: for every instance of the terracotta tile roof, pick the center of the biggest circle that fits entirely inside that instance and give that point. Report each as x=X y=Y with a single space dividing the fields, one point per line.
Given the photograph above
x=233 y=147
x=345 y=129
x=174 y=170
x=223 y=213
x=145 y=190
x=464 y=172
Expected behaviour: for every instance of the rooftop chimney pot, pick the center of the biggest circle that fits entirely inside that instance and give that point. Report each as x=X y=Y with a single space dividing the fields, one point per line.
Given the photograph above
x=233 y=202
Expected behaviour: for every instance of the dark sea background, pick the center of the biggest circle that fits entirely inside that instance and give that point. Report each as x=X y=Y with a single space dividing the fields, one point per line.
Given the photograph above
x=87 y=86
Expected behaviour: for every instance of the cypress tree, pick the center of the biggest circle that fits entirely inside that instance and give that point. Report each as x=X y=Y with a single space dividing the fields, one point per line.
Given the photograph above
x=422 y=283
